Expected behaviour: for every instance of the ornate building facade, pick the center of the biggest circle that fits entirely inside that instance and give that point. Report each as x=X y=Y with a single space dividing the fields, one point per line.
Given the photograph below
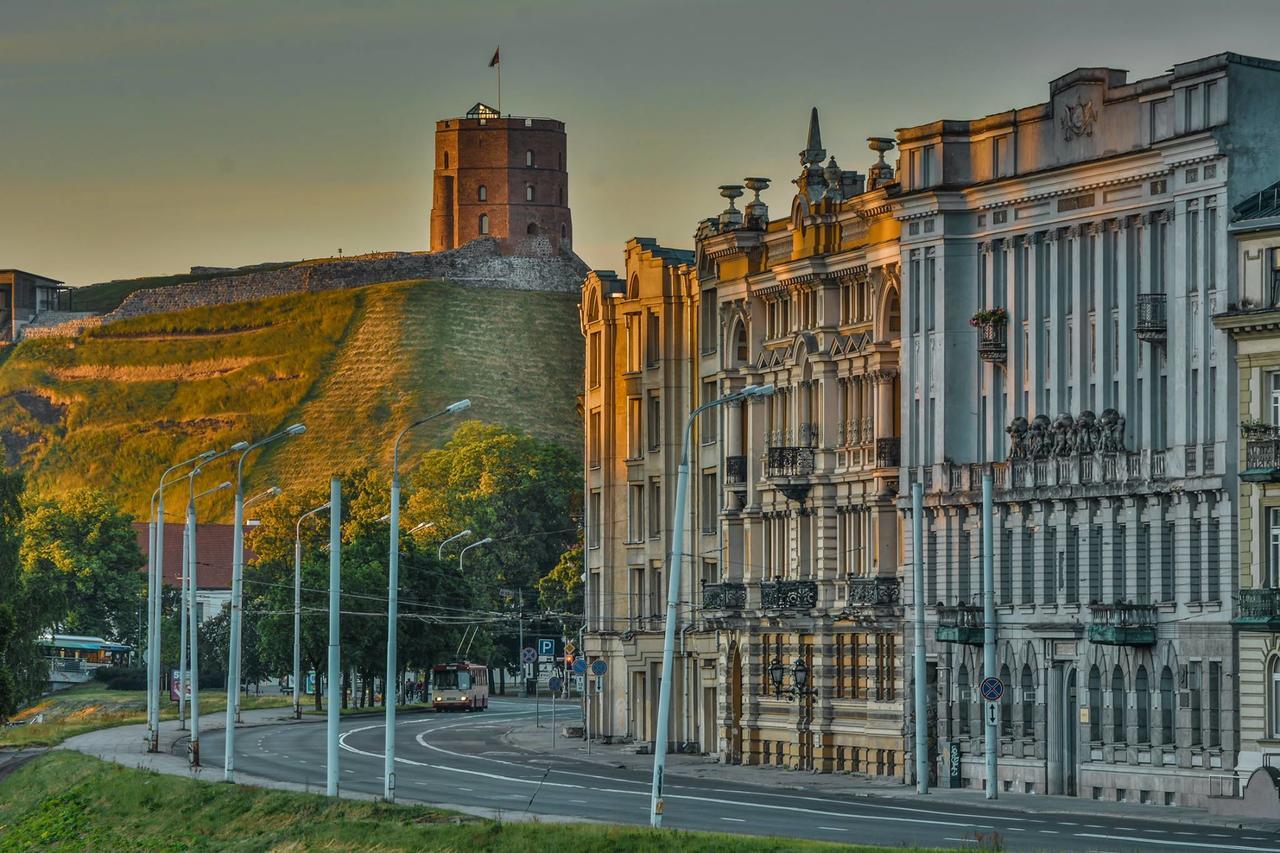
x=790 y=649
x=1061 y=266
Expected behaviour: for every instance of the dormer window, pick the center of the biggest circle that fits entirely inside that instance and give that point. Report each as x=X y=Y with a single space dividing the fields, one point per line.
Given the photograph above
x=482 y=193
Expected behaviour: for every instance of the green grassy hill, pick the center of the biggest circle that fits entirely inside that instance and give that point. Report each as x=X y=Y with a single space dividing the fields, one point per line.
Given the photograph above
x=114 y=407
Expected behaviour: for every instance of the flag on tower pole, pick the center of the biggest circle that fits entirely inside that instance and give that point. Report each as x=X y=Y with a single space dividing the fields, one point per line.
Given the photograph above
x=496 y=62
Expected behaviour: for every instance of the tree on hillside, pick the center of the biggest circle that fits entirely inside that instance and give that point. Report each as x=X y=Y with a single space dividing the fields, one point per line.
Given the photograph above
x=79 y=558
x=560 y=589
x=22 y=670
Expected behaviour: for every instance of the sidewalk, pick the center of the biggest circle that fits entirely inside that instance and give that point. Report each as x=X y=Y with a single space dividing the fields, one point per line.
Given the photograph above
x=527 y=737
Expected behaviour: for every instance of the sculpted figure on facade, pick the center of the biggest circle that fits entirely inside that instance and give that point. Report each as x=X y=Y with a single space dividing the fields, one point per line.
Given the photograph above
x=1084 y=435
x=1062 y=435
x=1019 y=440
x=1040 y=443
x=1112 y=431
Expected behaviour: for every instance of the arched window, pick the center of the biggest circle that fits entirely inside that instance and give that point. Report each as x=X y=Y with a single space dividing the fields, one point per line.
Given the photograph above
x=1095 y=705
x=1118 y=699
x=962 y=707
x=528 y=192
x=1273 y=697
x=446 y=159
x=741 y=351
x=564 y=231
x=532 y=228
x=484 y=223
x=1142 y=692
x=1166 y=707
x=893 y=323
x=528 y=157
x=1006 y=705
x=482 y=193
x=1028 y=702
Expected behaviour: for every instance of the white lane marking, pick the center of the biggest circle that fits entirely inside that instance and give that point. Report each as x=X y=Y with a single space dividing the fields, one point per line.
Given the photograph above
x=1049 y=831
x=580 y=802
x=716 y=800
x=1129 y=839
x=951 y=838
x=1067 y=823
x=735 y=819
x=833 y=829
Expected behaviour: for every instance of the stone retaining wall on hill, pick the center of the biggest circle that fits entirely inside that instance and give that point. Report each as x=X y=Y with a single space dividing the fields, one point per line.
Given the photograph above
x=480 y=263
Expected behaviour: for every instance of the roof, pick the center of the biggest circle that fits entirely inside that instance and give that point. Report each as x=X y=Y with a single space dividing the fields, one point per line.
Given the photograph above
x=33 y=275
x=213 y=553
x=1261 y=205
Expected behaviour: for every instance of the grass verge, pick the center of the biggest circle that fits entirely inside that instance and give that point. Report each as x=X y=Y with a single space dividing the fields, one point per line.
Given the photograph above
x=91 y=706
x=68 y=801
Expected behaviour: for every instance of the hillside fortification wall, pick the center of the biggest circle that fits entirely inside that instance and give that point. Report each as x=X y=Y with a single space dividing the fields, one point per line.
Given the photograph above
x=480 y=263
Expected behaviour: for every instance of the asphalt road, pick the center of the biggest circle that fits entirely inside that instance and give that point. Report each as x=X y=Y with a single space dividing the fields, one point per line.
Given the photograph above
x=462 y=760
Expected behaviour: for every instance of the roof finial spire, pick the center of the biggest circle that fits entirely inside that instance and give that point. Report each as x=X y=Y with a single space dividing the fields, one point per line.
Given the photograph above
x=813 y=152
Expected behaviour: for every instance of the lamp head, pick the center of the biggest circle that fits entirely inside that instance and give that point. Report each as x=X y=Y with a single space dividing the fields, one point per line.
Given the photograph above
x=466 y=532
x=273 y=491
x=485 y=541
x=460 y=406
x=296 y=429
x=195 y=472
x=239 y=445
x=386 y=517
x=800 y=672
x=225 y=484
x=775 y=673
x=208 y=454
x=758 y=390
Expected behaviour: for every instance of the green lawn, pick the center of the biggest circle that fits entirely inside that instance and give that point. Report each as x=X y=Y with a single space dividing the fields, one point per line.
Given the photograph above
x=114 y=407
x=69 y=801
x=91 y=706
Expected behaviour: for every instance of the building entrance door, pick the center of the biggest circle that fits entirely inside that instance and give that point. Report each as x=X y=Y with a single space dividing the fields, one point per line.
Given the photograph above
x=1069 y=730
x=735 y=706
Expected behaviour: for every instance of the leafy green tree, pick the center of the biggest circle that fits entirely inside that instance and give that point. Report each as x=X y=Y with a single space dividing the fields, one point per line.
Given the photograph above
x=79 y=557
x=561 y=589
x=22 y=670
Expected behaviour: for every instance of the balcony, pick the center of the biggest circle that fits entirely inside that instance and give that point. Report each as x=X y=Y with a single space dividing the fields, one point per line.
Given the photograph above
x=1123 y=624
x=1261 y=455
x=887 y=452
x=790 y=461
x=724 y=596
x=1152 y=325
x=993 y=343
x=788 y=595
x=874 y=592
x=735 y=470
x=959 y=624
x=1033 y=475
x=1259 y=610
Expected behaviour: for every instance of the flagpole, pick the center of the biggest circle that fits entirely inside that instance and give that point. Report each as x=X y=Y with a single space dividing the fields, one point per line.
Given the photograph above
x=499 y=55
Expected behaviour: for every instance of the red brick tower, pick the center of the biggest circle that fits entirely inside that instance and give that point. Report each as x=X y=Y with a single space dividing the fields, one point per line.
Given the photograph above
x=501 y=176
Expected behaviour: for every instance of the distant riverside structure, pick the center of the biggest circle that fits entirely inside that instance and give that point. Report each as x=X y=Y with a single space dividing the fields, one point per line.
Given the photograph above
x=24 y=297
x=504 y=177
x=1049 y=294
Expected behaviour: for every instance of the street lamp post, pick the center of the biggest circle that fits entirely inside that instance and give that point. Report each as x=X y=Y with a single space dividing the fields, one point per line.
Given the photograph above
x=237 y=583
x=155 y=589
x=389 y=693
x=192 y=616
x=269 y=492
x=673 y=594
x=297 y=608
x=440 y=549
x=485 y=541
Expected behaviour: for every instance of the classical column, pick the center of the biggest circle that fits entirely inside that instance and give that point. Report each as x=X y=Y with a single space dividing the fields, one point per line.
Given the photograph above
x=1054 y=726
x=1056 y=343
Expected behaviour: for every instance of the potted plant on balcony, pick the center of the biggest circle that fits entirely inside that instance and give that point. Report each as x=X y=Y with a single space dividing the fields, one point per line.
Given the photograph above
x=990 y=323
x=1255 y=428
x=989 y=317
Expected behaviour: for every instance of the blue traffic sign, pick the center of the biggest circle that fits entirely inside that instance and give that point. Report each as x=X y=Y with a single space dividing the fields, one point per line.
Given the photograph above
x=546 y=648
x=554 y=684
x=992 y=688
x=599 y=668
x=528 y=655
x=580 y=666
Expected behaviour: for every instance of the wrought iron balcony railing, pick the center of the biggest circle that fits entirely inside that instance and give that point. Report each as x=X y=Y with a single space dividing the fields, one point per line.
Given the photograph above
x=788 y=595
x=1261 y=456
x=960 y=624
x=790 y=461
x=1151 y=324
x=874 y=592
x=887 y=452
x=1259 y=609
x=993 y=340
x=1123 y=624
x=724 y=596
x=735 y=470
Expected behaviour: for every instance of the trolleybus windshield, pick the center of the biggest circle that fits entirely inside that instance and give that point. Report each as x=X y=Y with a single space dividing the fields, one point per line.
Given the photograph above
x=453 y=679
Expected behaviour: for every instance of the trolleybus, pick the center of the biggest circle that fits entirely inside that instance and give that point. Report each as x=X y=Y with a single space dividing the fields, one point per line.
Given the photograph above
x=460 y=686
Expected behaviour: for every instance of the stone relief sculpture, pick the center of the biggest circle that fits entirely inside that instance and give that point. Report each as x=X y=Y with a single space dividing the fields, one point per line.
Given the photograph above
x=1084 y=435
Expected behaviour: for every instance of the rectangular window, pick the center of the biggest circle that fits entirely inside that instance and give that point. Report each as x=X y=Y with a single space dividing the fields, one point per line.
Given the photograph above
x=1272 y=578
x=593 y=361
x=1006 y=567
x=635 y=429
x=1168 y=549
x=931 y=568
x=709 y=329
x=634 y=342
x=1212 y=577
x=1195 y=563
x=1050 y=580
x=885 y=674
x=1119 y=580
x=593 y=439
x=652 y=339
x=1197 y=700
x=1215 y=703
x=657 y=515
x=635 y=512
x=1143 y=564
x=965 y=589
x=653 y=608
x=1095 y=564
x=594 y=508
x=710 y=420
x=654 y=424
x=710 y=502
x=1073 y=565
x=1028 y=563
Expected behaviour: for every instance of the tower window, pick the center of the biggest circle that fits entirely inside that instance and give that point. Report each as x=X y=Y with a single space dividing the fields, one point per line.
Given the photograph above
x=528 y=192
x=564 y=231
x=562 y=196
x=446 y=159
x=482 y=193
x=528 y=157
x=484 y=223
x=532 y=228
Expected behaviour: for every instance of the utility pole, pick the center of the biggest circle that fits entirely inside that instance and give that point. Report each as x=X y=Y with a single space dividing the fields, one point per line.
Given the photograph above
x=193 y=632
x=335 y=637
x=917 y=658
x=989 y=627
x=524 y=667
x=182 y=631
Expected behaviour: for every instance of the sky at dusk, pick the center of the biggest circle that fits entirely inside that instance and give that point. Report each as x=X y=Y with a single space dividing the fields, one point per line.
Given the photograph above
x=140 y=138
